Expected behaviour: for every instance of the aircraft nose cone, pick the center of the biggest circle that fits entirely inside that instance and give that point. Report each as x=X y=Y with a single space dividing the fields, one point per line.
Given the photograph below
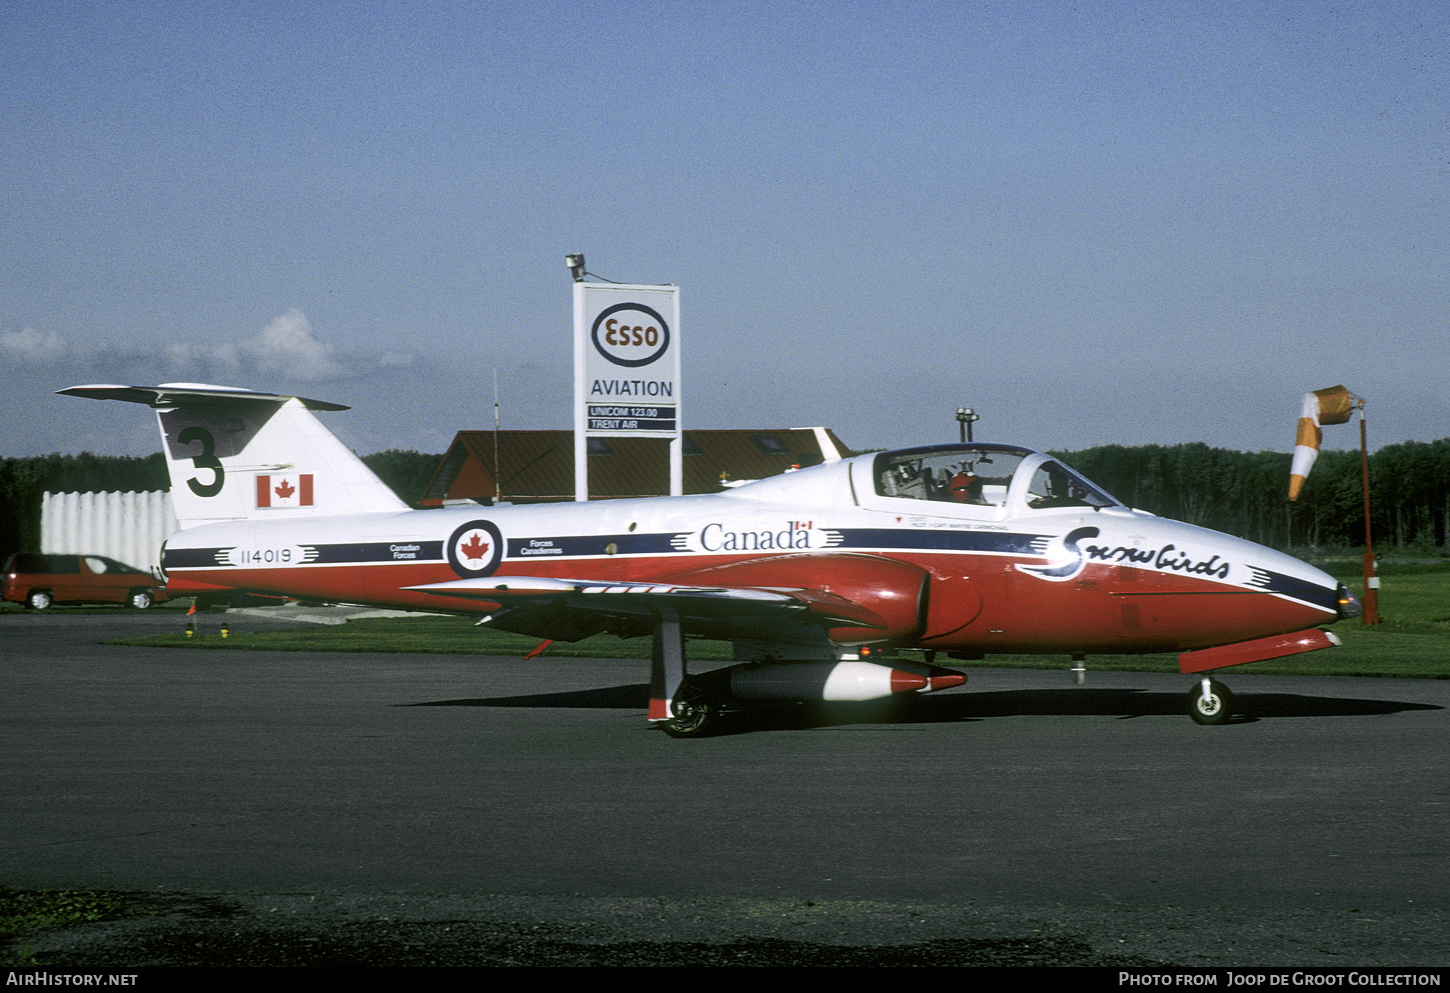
x=1315 y=590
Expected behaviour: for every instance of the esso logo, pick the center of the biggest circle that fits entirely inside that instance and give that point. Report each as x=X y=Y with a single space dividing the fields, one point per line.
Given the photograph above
x=630 y=334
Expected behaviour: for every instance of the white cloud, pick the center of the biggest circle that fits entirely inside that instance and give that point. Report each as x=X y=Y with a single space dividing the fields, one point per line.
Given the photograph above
x=29 y=347
x=288 y=346
x=286 y=350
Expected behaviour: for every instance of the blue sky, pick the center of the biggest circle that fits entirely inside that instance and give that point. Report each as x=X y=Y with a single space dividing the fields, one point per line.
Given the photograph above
x=1096 y=223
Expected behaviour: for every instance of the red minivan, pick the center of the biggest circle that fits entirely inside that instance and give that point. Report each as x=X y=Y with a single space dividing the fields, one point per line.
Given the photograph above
x=41 y=580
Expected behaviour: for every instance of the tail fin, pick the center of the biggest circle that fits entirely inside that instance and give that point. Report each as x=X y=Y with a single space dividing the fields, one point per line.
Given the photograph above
x=237 y=455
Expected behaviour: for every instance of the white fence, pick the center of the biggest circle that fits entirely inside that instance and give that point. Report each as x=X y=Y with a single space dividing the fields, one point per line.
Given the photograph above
x=128 y=527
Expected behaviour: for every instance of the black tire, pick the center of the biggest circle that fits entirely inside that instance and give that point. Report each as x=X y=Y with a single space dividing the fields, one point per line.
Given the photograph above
x=39 y=599
x=141 y=599
x=1215 y=708
x=696 y=715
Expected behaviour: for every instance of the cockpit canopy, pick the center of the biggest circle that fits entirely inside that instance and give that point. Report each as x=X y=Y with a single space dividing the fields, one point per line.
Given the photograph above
x=992 y=477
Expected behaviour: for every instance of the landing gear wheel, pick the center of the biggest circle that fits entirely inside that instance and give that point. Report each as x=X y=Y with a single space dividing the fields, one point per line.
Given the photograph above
x=39 y=600
x=141 y=599
x=1213 y=707
x=695 y=715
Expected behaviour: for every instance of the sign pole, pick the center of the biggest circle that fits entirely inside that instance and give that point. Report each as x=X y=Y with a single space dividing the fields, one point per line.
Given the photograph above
x=581 y=389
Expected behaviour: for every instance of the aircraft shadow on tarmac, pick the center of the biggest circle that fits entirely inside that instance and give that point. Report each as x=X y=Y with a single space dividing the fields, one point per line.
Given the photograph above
x=954 y=707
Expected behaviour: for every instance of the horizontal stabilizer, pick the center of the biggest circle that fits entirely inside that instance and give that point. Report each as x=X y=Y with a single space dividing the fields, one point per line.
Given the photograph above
x=188 y=395
x=240 y=455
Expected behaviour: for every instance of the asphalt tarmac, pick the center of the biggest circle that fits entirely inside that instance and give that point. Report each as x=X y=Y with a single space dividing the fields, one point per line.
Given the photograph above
x=285 y=808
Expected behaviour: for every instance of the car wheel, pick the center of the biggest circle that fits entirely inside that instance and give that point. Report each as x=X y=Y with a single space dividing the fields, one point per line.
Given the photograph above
x=141 y=599
x=39 y=600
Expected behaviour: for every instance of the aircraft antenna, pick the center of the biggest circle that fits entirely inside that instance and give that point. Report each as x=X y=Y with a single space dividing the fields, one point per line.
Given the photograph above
x=497 y=478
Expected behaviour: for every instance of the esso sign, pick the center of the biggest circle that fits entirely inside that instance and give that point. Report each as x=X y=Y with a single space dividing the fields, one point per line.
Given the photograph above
x=630 y=334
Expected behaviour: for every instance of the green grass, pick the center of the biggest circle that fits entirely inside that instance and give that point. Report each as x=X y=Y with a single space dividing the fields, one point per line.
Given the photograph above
x=24 y=912
x=1350 y=571
x=1412 y=641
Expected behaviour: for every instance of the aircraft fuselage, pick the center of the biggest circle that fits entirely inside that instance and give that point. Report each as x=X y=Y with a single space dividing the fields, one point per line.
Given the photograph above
x=1078 y=580
x=970 y=550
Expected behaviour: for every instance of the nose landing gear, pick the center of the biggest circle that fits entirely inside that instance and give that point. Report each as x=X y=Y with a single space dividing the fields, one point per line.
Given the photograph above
x=1210 y=702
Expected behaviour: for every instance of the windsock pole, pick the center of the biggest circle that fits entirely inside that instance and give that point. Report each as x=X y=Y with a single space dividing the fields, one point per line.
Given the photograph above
x=1371 y=601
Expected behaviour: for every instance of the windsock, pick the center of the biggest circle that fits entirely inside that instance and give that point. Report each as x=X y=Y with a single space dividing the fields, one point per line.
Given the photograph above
x=1331 y=406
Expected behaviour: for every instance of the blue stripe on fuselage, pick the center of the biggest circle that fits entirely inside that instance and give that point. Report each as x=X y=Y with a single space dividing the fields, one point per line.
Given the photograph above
x=591 y=546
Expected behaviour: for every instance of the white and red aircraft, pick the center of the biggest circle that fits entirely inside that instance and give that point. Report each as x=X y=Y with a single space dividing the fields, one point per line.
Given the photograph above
x=966 y=550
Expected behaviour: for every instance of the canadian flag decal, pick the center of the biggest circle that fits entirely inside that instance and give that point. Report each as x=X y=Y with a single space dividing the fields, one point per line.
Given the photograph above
x=284 y=491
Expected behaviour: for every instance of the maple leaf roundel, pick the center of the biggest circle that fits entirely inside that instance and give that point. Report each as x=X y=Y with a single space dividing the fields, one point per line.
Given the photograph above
x=475 y=549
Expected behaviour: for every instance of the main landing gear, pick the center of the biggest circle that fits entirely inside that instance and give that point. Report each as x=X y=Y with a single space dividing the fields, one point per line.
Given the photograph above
x=681 y=707
x=1210 y=702
x=695 y=714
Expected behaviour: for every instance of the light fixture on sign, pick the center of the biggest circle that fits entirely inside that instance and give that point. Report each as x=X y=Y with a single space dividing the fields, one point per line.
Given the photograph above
x=575 y=263
x=965 y=417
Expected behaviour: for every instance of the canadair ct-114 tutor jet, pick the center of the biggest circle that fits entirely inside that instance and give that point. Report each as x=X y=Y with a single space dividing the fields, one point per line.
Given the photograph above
x=820 y=577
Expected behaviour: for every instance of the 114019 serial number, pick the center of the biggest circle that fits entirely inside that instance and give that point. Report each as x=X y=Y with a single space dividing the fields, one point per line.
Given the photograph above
x=263 y=556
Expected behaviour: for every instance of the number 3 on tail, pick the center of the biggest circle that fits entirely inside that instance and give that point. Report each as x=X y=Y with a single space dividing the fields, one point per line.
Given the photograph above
x=206 y=460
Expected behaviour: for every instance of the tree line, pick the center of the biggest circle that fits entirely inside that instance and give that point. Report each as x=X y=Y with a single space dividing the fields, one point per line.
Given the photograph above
x=1241 y=493
x=1246 y=493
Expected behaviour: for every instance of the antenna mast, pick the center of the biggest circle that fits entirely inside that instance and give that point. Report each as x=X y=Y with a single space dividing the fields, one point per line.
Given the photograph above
x=497 y=479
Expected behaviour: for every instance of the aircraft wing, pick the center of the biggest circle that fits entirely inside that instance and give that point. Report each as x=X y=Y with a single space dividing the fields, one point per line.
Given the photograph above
x=571 y=609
